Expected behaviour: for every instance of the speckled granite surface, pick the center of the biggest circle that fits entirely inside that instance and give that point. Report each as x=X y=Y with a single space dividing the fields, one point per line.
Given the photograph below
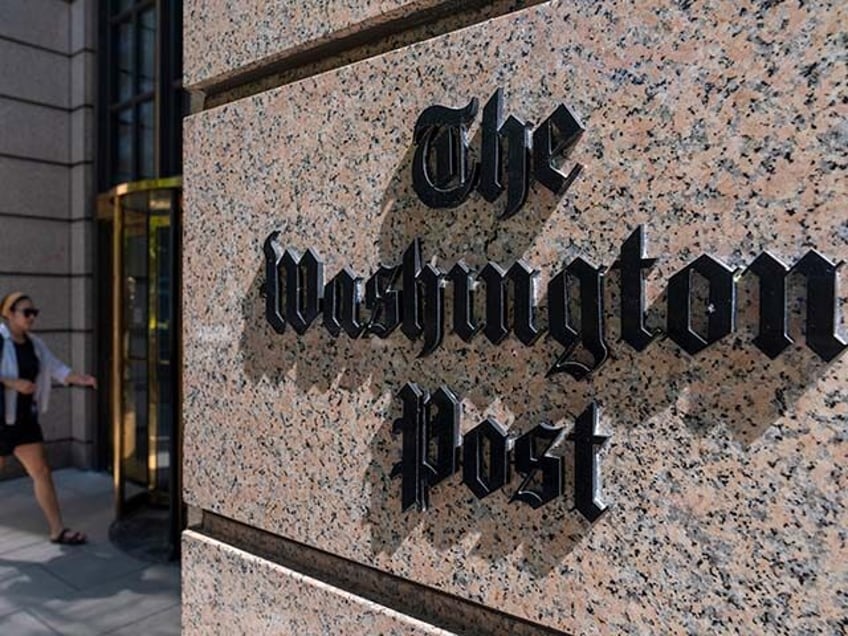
x=226 y=37
x=720 y=127
x=240 y=594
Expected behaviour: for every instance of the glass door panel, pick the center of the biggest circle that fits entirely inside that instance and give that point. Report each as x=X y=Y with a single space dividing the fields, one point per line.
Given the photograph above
x=135 y=412
x=161 y=346
x=145 y=367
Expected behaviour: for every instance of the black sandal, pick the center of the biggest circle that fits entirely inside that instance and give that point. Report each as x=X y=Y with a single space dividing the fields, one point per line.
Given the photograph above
x=66 y=537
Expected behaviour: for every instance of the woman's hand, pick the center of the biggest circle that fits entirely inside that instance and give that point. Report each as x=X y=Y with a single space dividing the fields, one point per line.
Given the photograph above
x=21 y=386
x=82 y=379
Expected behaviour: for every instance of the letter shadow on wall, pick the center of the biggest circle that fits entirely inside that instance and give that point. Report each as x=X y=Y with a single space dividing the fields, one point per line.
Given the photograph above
x=731 y=384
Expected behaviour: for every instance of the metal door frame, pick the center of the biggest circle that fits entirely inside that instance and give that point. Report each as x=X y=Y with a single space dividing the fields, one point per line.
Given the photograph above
x=110 y=209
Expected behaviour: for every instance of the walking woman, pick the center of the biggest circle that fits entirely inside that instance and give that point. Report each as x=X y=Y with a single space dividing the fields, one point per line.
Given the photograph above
x=26 y=369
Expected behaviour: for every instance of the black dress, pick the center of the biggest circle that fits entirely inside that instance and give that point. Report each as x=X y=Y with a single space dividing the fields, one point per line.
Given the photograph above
x=26 y=429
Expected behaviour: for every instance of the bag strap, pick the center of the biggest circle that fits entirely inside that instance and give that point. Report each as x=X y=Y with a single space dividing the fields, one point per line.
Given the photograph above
x=2 y=388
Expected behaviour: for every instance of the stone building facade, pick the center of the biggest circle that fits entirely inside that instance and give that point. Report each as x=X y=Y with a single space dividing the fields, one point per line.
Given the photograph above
x=47 y=132
x=690 y=476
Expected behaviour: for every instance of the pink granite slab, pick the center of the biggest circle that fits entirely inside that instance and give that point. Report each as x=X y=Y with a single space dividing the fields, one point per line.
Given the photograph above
x=224 y=37
x=720 y=128
x=226 y=589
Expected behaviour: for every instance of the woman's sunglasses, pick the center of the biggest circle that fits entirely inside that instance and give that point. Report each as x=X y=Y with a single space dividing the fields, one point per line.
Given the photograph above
x=29 y=312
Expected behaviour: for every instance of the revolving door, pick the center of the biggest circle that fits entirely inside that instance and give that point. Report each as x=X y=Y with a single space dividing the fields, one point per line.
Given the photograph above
x=142 y=223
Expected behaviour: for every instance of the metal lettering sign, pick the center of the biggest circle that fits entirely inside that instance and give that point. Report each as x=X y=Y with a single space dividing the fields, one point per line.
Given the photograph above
x=431 y=423
x=411 y=294
x=443 y=174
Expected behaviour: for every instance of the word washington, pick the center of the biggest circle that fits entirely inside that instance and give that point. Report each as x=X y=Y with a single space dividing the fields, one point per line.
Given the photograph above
x=411 y=295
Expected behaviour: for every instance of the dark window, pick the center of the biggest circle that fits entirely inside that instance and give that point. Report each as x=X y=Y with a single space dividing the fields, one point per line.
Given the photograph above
x=146 y=145
x=124 y=133
x=140 y=91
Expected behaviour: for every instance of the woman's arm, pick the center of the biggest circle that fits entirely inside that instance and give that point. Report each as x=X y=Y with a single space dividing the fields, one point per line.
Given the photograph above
x=17 y=384
x=61 y=372
x=81 y=379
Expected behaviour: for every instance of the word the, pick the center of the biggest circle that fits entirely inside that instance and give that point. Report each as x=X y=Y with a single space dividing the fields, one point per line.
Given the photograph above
x=443 y=174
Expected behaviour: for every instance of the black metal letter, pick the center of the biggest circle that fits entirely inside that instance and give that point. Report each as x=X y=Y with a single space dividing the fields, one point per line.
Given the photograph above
x=528 y=461
x=557 y=135
x=411 y=425
x=721 y=311
x=274 y=283
x=523 y=280
x=411 y=296
x=383 y=300
x=441 y=436
x=424 y=432
x=631 y=262
x=432 y=282
x=591 y=334
x=491 y=164
x=484 y=482
x=821 y=305
x=304 y=288
x=516 y=133
x=497 y=322
x=342 y=300
x=524 y=302
x=444 y=132
x=772 y=338
x=464 y=324
x=587 y=496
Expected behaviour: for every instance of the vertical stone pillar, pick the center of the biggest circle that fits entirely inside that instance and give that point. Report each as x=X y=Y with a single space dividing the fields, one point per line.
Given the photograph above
x=83 y=49
x=35 y=181
x=47 y=79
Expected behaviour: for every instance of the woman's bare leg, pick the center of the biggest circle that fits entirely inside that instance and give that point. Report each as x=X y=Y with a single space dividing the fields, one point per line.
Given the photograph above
x=34 y=459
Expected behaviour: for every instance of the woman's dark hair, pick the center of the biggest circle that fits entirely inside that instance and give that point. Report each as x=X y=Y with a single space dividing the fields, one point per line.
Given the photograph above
x=15 y=304
x=10 y=301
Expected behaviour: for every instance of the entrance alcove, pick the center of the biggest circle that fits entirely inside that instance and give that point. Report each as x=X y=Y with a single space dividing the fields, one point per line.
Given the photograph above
x=139 y=247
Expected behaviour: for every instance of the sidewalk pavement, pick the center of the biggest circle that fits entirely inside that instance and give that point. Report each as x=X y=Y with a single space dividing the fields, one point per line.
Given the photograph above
x=89 y=589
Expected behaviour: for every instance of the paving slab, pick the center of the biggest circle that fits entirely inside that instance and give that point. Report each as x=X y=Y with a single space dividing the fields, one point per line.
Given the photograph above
x=161 y=624
x=28 y=586
x=12 y=539
x=114 y=605
x=82 y=566
x=91 y=589
x=23 y=624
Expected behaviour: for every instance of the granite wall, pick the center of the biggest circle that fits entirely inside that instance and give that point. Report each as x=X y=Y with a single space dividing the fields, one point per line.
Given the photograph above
x=718 y=127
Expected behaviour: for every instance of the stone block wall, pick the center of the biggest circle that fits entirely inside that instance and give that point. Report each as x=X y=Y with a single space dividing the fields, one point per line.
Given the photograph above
x=47 y=52
x=709 y=493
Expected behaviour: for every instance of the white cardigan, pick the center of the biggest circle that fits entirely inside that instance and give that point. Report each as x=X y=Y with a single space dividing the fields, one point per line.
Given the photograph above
x=49 y=366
